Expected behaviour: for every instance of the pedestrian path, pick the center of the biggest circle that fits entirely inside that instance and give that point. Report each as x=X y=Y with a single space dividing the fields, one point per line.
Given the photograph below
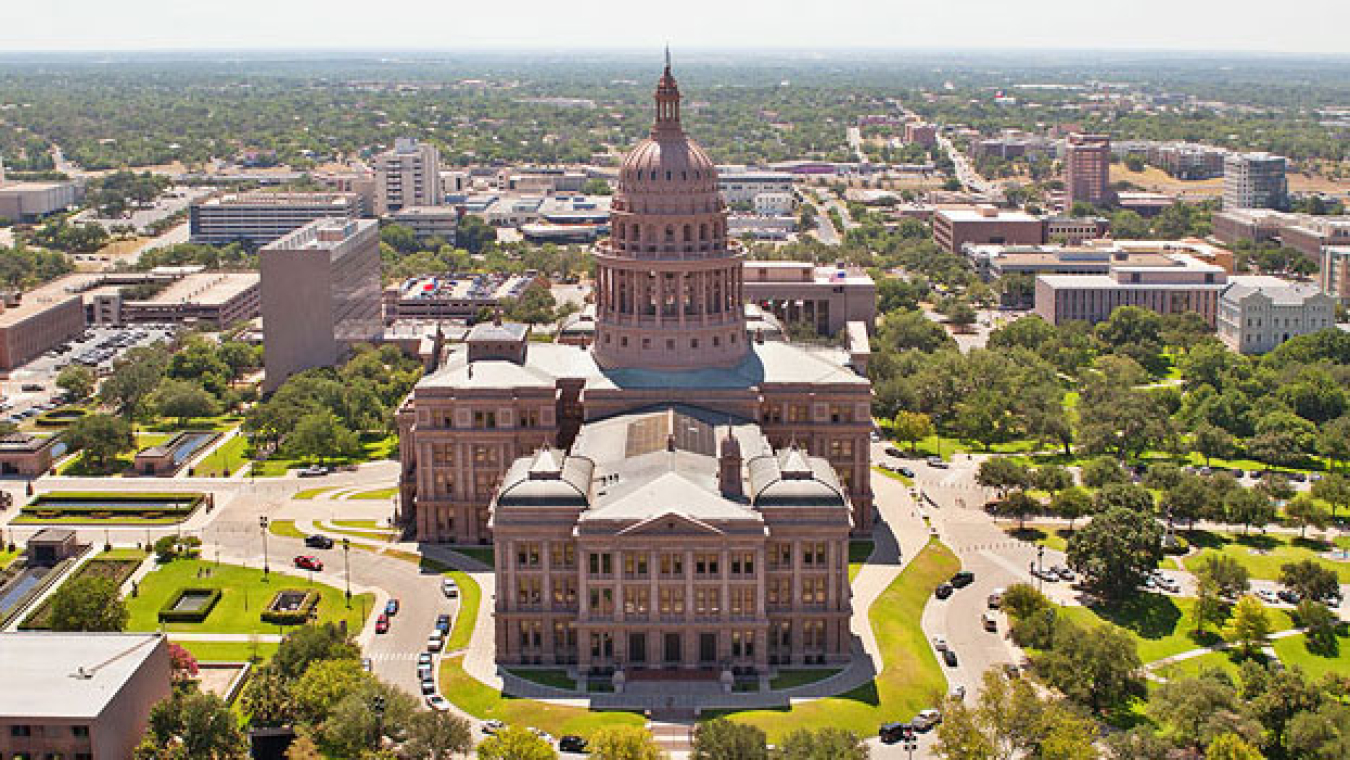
x=1268 y=651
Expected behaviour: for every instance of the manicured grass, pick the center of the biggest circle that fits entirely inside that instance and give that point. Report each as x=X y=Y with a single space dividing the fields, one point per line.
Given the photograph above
x=787 y=679
x=285 y=528
x=246 y=595
x=1294 y=651
x=224 y=461
x=76 y=466
x=379 y=493
x=470 y=596
x=373 y=448
x=482 y=702
x=1226 y=661
x=911 y=678
x=229 y=651
x=893 y=475
x=1262 y=555
x=1162 y=626
x=115 y=568
x=371 y=525
x=484 y=554
x=219 y=424
x=7 y=557
x=858 y=552
x=310 y=493
x=127 y=520
x=1056 y=539
x=553 y=677
x=122 y=552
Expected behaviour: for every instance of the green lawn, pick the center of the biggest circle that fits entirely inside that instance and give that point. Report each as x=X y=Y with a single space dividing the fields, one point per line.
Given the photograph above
x=483 y=554
x=787 y=679
x=470 y=597
x=285 y=528
x=858 y=552
x=371 y=525
x=1161 y=625
x=1227 y=661
x=911 y=678
x=228 y=651
x=379 y=493
x=556 y=678
x=893 y=475
x=117 y=566
x=225 y=460
x=76 y=466
x=1056 y=539
x=483 y=702
x=310 y=493
x=7 y=557
x=26 y=519
x=1294 y=651
x=239 y=609
x=374 y=447
x=219 y=424
x=1262 y=555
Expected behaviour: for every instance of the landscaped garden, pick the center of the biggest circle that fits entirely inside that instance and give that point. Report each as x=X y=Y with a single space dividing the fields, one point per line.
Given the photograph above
x=1263 y=554
x=229 y=651
x=129 y=508
x=1161 y=625
x=1293 y=651
x=116 y=565
x=245 y=597
x=224 y=461
x=374 y=447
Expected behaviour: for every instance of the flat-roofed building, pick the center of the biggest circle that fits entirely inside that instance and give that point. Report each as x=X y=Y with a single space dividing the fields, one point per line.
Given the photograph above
x=741 y=185
x=1073 y=230
x=1306 y=233
x=953 y=228
x=320 y=295
x=919 y=133
x=430 y=221
x=1087 y=169
x=825 y=297
x=31 y=201
x=1258 y=313
x=1169 y=284
x=455 y=296
x=34 y=322
x=214 y=299
x=258 y=218
x=1334 y=274
x=1255 y=180
x=79 y=696
x=408 y=175
x=25 y=454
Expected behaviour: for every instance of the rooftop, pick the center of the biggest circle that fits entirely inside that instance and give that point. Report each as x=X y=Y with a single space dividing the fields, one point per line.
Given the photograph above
x=1280 y=292
x=211 y=289
x=336 y=200
x=46 y=296
x=68 y=675
x=986 y=214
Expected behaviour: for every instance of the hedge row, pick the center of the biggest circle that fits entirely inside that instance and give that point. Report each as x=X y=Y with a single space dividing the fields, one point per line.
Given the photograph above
x=167 y=613
x=308 y=608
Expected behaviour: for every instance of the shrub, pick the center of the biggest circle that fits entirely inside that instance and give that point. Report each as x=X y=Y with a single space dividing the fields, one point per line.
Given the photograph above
x=292 y=617
x=167 y=613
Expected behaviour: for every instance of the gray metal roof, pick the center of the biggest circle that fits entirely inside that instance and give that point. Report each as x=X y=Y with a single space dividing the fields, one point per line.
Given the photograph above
x=68 y=675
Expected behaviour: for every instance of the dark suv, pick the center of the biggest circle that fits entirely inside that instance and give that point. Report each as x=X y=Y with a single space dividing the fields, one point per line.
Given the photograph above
x=572 y=743
x=962 y=579
x=317 y=541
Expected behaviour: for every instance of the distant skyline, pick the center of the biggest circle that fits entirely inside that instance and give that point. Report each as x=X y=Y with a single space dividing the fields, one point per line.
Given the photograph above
x=1312 y=26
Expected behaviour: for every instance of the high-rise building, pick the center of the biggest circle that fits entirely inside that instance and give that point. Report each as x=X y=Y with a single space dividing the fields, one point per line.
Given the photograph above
x=258 y=218
x=1255 y=180
x=678 y=496
x=320 y=295
x=408 y=175
x=1087 y=169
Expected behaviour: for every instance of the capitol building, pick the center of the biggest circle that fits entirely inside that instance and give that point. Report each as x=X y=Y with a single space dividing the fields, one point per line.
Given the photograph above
x=677 y=496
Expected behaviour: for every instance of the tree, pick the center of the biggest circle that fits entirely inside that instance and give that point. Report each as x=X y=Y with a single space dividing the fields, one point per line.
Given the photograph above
x=912 y=427
x=1002 y=474
x=1323 y=734
x=353 y=725
x=515 y=743
x=1010 y=719
x=1097 y=667
x=323 y=684
x=1249 y=625
x=624 y=743
x=822 y=744
x=1310 y=580
x=1125 y=496
x=1334 y=489
x=184 y=400
x=1231 y=747
x=436 y=735
x=1052 y=478
x=134 y=377
x=1116 y=551
x=1304 y=511
x=100 y=436
x=1192 y=711
x=182 y=664
x=320 y=435
x=536 y=306
x=266 y=698
x=1334 y=440
x=1248 y=507
x=201 y=724
x=1187 y=500
x=1227 y=575
x=303 y=748
x=78 y=381
x=1071 y=504
x=721 y=739
x=1321 y=624
x=1017 y=505
x=88 y=603
x=474 y=234
x=311 y=643
x=1102 y=470
x=1212 y=441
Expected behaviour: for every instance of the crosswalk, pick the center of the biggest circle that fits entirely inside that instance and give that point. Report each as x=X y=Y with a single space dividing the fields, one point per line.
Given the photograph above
x=393 y=656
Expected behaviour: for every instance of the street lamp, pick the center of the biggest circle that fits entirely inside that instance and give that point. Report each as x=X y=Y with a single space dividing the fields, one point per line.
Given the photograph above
x=347 y=569
x=378 y=706
x=262 y=524
x=1040 y=565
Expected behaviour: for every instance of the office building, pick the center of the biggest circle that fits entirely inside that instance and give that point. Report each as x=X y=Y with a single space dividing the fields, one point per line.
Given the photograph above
x=1168 y=283
x=258 y=218
x=1087 y=169
x=211 y=299
x=1258 y=313
x=1334 y=274
x=740 y=185
x=430 y=221
x=1188 y=161
x=825 y=297
x=920 y=133
x=29 y=202
x=1254 y=180
x=408 y=175
x=79 y=696
x=1305 y=233
x=1072 y=230
x=320 y=295
x=953 y=228
x=34 y=322
x=455 y=296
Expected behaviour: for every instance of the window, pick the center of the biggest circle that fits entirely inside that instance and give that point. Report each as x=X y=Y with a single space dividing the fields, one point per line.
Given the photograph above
x=743 y=563
x=780 y=556
x=708 y=601
x=529 y=591
x=813 y=590
x=779 y=592
x=80 y=732
x=635 y=601
x=565 y=592
x=528 y=555
x=600 y=563
x=20 y=730
x=635 y=564
x=813 y=554
x=742 y=601
x=602 y=601
x=672 y=565
x=486 y=420
x=563 y=556
x=742 y=643
x=672 y=601
x=705 y=564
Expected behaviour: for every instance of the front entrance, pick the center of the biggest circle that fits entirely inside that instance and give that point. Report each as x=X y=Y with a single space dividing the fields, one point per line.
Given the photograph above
x=707 y=648
x=674 y=655
x=637 y=648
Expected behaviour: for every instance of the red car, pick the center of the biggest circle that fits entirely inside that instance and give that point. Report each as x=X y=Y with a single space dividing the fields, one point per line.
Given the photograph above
x=307 y=562
x=382 y=624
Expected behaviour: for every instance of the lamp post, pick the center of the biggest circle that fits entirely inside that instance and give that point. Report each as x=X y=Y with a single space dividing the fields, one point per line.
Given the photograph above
x=1040 y=566
x=262 y=524
x=347 y=569
x=378 y=706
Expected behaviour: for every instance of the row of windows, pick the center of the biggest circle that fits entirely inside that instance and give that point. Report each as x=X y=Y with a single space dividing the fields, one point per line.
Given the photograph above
x=20 y=730
x=636 y=564
x=670 y=342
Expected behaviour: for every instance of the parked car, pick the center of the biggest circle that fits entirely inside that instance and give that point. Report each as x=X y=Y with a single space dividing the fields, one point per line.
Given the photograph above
x=1064 y=573
x=423 y=659
x=1288 y=596
x=572 y=743
x=943 y=591
x=958 y=693
x=492 y=726
x=926 y=719
x=949 y=657
x=308 y=562
x=317 y=541
x=382 y=623
x=391 y=607
x=449 y=588
x=312 y=471
x=905 y=471
x=937 y=462
x=435 y=641
x=939 y=643
x=1169 y=584
x=1012 y=671
x=428 y=686
x=989 y=622
x=438 y=703
x=443 y=623
x=890 y=733
x=893 y=451
x=1267 y=596
x=962 y=579
x=367 y=665
x=542 y=734
x=425 y=673
x=995 y=600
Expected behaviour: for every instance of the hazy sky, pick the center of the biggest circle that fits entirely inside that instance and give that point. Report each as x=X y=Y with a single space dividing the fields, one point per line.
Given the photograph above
x=1304 y=26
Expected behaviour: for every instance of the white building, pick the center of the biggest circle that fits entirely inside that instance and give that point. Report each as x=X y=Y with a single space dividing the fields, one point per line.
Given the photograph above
x=775 y=204
x=408 y=175
x=1258 y=313
x=739 y=185
x=1254 y=180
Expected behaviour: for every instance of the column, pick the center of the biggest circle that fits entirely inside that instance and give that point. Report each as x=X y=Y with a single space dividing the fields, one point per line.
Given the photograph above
x=832 y=595
x=583 y=586
x=509 y=593
x=653 y=605
x=689 y=637
x=725 y=566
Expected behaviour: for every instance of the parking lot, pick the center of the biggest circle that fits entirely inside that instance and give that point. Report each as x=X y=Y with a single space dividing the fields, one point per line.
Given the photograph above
x=31 y=389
